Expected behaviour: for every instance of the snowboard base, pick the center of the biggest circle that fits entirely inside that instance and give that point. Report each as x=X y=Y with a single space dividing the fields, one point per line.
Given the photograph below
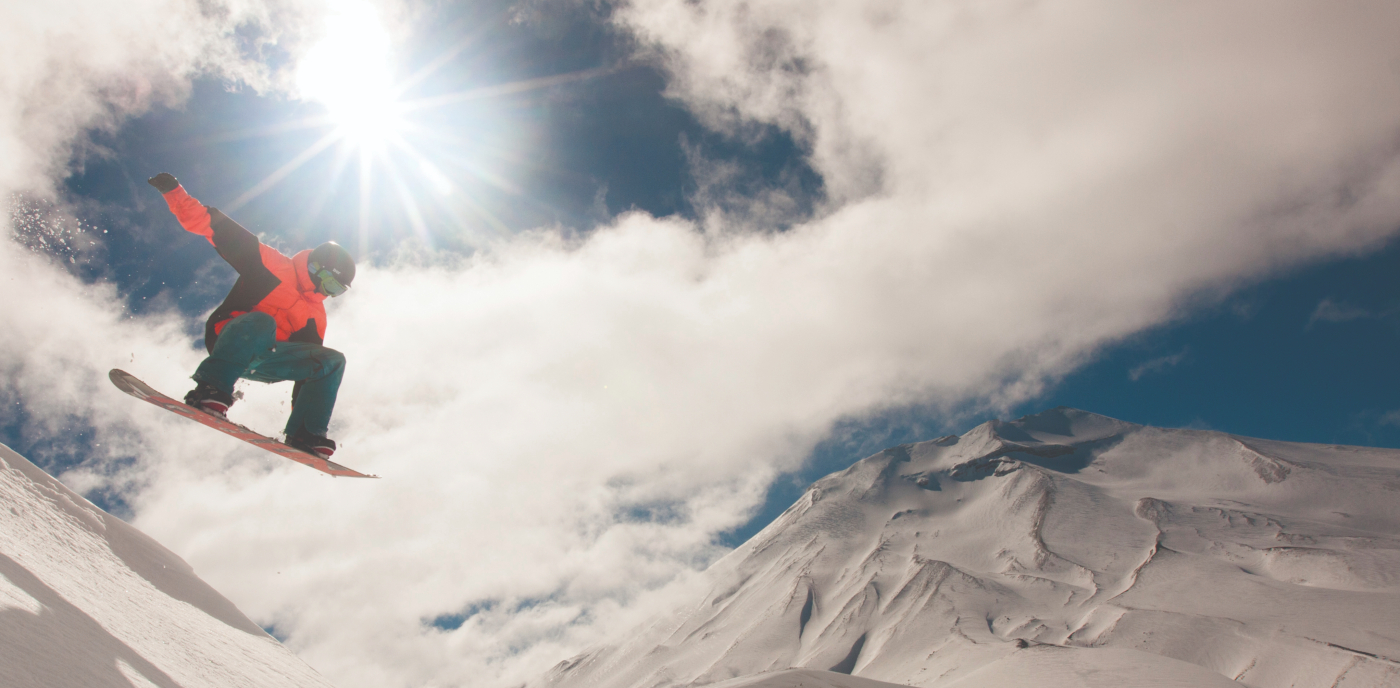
x=128 y=383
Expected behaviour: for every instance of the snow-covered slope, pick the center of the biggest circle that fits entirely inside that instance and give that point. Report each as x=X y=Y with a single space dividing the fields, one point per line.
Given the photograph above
x=87 y=601
x=1062 y=549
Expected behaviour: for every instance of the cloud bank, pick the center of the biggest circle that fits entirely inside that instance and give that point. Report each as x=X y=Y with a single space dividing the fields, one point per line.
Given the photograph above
x=564 y=424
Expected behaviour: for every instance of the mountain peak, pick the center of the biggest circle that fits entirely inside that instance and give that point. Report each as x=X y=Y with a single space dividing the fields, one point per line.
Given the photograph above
x=1056 y=425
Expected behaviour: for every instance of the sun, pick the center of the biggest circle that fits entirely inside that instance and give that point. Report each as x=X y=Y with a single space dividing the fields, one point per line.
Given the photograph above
x=348 y=71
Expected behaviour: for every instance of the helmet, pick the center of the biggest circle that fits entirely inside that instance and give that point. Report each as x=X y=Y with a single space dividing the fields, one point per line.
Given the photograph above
x=331 y=267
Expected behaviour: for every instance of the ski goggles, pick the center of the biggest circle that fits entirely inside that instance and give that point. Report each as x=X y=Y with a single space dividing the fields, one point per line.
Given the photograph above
x=329 y=283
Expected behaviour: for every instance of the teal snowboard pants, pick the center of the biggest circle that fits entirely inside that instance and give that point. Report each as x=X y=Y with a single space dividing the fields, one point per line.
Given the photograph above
x=248 y=348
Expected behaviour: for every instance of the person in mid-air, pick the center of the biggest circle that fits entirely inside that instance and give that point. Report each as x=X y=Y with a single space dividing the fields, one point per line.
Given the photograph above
x=271 y=326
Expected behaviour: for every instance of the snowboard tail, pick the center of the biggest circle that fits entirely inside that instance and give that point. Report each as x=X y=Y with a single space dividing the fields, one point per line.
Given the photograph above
x=128 y=383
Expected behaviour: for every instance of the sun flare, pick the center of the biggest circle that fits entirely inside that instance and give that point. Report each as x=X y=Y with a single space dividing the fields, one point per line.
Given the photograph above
x=426 y=167
x=348 y=71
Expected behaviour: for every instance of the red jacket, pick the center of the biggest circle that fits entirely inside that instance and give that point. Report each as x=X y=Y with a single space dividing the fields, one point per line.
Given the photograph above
x=268 y=281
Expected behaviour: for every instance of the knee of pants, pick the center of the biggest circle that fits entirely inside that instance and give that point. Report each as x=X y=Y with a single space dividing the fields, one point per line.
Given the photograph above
x=332 y=361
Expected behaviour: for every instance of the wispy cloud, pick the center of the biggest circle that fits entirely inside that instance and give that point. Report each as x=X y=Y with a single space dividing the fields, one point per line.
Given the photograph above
x=1333 y=312
x=1009 y=187
x=1157 y=365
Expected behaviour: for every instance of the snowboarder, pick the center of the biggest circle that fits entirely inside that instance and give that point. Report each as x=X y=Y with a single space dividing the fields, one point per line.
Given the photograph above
x=271 y=326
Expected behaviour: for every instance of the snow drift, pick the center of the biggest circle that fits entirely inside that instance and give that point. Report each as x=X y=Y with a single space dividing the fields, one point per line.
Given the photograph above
x=88 y=601
x=1065 y=548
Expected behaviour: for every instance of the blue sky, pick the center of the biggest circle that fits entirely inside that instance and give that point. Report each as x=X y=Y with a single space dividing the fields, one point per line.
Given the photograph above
x=638 y=275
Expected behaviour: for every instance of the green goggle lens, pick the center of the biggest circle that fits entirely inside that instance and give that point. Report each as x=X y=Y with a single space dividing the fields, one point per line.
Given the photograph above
x=329 y=283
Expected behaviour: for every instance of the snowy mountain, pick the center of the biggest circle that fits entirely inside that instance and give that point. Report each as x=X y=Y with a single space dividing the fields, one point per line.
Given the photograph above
x=87 y=601
x=1061 y=549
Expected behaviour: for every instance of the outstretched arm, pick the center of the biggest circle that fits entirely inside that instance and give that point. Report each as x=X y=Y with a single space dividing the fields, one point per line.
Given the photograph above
x=236 y=244
x=192 y=214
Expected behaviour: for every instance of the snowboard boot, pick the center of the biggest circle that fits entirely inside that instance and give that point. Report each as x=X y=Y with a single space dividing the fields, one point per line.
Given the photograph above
x=311 y=444
x=209 y=399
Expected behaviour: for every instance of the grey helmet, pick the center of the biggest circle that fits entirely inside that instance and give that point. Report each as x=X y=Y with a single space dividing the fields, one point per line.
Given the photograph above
x=332 y=269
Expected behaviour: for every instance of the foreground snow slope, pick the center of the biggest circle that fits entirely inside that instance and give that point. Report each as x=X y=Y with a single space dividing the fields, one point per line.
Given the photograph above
x=89 y=601
x=1065 y=549
x=1043 y=667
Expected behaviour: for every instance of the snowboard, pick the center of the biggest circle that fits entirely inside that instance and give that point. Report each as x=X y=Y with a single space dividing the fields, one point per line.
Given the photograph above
x=128 y=383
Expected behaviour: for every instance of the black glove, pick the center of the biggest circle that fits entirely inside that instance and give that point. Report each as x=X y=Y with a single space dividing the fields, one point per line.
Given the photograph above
x=164 y=182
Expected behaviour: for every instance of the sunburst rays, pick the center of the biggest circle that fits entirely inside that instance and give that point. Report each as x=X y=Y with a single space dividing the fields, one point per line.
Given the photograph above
x=398 y=156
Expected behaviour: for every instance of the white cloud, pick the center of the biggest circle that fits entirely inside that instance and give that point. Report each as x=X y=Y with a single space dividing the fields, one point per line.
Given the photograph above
x=1011 y=187
x=76 y=65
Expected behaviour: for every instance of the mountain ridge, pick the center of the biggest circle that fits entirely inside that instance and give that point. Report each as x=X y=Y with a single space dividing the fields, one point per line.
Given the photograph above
x=933 y=562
